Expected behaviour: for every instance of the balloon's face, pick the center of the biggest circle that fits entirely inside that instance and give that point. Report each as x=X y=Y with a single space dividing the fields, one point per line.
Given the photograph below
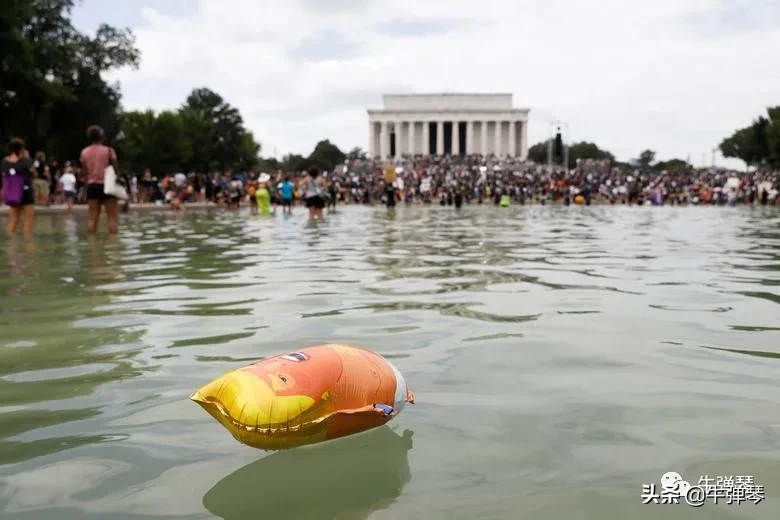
x=297 y=375
x=302 y=397
x=285 y=393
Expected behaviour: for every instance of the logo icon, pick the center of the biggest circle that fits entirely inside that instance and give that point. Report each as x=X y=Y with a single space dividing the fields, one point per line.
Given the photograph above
x=673 y=484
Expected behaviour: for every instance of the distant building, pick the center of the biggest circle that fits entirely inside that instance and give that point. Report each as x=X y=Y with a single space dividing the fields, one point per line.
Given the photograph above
x=448 y=124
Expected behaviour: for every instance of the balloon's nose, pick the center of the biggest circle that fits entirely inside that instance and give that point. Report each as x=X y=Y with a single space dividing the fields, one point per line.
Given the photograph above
x=198 y=397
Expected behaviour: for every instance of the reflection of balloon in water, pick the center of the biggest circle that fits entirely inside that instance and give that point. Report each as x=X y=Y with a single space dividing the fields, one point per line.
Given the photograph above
x=312 y=395
x=352 y=477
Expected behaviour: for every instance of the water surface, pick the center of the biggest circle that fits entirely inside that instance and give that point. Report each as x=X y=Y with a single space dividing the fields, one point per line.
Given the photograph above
x=561 y=357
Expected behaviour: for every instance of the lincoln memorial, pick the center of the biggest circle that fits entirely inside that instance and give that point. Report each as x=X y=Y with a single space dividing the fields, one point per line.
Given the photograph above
x=448 y=124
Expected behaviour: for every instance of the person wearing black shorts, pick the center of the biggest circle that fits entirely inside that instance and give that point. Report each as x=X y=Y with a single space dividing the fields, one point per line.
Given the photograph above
x=18 y=162
x=313 y=193
x=94 y=159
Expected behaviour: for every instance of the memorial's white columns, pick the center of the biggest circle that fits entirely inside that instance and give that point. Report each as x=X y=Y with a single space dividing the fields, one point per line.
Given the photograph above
x=371 y=139
x=512 y=138
x=483 y=134
x=524 y=140
x=455 y=148
x=440 y=138
x=470 y=137
x=384 y=140
x=497 y=145
x=426 y=145
x=410 y=138
x=398 y=126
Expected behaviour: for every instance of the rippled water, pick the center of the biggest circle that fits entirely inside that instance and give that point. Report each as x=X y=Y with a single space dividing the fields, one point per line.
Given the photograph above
x=561 y=357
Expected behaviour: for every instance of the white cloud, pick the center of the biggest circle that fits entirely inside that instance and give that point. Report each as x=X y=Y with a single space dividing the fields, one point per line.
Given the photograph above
x=672 y=75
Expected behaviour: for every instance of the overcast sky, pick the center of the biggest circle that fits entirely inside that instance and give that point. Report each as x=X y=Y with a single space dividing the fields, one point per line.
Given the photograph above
x=675 y=76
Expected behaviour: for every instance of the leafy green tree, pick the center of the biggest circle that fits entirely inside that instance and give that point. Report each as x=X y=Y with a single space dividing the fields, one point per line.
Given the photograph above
x=577 y=151
x=202 y=137
x=217 y=132
x=645 y=159
x=326 y=155
x=538 y=152
x=357 y=154
x=584 y=150
x=158 y=142
x=773 y=136
x=51 y=79
x=134 y=141
x=183 y=141
x=170 y=143
x=249 y=152
x=672 y=165
x=294 y=163
x=270 y=164
x=750 y=144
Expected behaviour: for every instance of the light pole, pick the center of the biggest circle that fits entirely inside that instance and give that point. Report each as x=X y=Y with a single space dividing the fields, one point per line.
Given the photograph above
x=555 y=128
x=566 y=143
x=550 y=141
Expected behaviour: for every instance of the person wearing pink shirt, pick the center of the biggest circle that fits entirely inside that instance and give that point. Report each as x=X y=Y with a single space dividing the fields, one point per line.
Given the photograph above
x=95 y=158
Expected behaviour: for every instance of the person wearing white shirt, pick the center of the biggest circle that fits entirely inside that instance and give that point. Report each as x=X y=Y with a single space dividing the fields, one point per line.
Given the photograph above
x=68 y=184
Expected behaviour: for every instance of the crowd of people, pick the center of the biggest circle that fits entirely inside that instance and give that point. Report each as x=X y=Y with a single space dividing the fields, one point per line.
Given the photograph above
x=441 y=180
x=469 y=180
x=476 y=180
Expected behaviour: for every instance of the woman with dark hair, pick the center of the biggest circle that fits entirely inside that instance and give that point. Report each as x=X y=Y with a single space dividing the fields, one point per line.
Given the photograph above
x=95 y=158
x=314 y=194
x=18 y=173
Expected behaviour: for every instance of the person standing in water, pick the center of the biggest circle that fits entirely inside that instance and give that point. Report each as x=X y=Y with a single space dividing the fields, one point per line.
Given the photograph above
x=251 y=190
x=332 y=194
x=288 y=195
x=313 y=193
x=68 y=185
x=18 y=174
x=262 y=195
x=95 y=158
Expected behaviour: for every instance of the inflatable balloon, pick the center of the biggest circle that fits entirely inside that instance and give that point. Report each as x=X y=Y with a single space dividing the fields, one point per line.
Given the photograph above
x=304 y=397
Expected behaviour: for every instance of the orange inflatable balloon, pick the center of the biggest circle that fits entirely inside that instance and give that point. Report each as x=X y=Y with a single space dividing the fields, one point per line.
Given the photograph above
x=304 y=397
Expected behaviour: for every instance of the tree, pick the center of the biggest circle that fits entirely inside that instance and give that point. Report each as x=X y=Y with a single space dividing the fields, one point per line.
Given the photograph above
x=133 y=143
x=51 y=80
x=186 y=140
x=538 y=152
x=645 y=159
x=170 y=143
x=270 y=164
x=294 y=163
x=773 y=136
x=750 y=144
x=583 y=150
x=217 y=132
x=158 y=142
x=672 y=165
x=357 y=154
x=249 y=152
x=326 y=156
x=757 y=144
x=577 y=151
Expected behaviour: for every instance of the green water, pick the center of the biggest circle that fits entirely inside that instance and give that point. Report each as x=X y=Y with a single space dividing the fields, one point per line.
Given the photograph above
x=561 y=357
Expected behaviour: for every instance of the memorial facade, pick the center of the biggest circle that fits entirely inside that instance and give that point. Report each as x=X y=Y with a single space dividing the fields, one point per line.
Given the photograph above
x=447 y=124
